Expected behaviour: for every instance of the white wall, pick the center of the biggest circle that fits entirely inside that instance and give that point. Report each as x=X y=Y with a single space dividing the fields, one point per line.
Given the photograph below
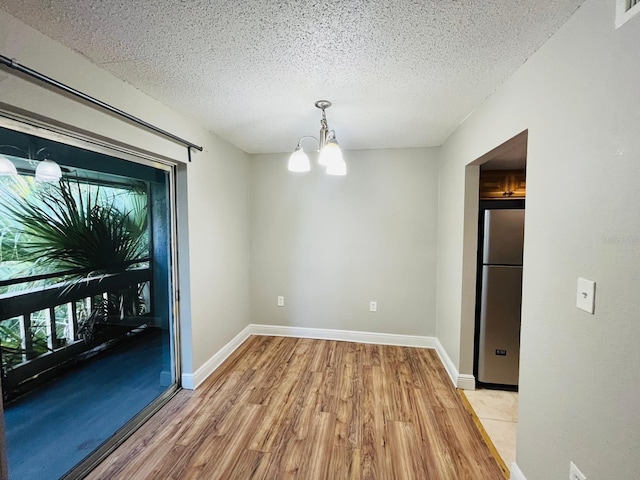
x=578 y=98
x=330 y=244
x=213 y=211
x=218 y=234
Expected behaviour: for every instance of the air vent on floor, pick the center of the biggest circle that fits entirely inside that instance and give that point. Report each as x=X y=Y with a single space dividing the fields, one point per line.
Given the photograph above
x=625 y=9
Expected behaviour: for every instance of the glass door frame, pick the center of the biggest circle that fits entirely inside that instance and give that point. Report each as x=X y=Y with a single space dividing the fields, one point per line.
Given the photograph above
x=69 y=136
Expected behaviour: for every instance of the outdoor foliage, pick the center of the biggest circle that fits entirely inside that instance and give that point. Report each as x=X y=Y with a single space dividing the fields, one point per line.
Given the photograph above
x=72 y=225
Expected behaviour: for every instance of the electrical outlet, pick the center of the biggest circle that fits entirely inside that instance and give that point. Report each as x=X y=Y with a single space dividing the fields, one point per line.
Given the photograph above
x=575 y=473
x=373 y=306
x=281 y=301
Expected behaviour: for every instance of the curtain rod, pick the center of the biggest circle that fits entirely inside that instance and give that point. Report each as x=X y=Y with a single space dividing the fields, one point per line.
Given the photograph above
x=50 y=81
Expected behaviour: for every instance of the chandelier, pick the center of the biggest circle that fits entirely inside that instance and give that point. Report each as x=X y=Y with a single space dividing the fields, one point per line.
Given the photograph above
x=330 y=154
x=46 y=169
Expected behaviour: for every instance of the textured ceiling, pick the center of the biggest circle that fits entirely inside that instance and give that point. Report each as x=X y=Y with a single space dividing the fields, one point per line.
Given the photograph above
x=399 y=73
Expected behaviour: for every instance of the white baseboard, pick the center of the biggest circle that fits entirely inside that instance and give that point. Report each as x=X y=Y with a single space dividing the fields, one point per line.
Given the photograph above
x=459 y=380
x=192 y=381
x=345 y=336
x=466 y=382
x=516 y=473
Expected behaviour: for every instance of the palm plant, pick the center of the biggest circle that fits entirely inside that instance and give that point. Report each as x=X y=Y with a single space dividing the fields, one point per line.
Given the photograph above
x=77 y=227
x=70 y=226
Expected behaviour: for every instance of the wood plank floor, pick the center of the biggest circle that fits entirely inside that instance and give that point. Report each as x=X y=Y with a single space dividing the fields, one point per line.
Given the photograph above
x=286 y=408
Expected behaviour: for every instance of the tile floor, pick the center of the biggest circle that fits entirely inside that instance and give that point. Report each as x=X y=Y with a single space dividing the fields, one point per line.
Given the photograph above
x=497 y=410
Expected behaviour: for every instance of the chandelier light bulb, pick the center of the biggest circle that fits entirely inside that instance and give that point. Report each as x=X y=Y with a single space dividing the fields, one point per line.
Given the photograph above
x=48 y=171
x=330 y=154
x=337 y=168
x=299 y=161
x=7 y=167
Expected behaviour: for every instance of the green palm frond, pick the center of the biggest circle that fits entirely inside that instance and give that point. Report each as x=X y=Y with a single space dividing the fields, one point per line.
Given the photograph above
x=69 y=225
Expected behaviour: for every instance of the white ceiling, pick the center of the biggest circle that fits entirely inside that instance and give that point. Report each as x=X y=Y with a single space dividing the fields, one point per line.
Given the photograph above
x=401 y=73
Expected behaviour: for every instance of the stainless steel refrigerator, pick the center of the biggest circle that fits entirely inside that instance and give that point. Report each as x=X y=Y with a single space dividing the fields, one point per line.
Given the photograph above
x=501 y=297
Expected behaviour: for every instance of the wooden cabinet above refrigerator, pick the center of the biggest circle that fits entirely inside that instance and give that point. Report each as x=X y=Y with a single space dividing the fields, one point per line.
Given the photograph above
x=502 y=184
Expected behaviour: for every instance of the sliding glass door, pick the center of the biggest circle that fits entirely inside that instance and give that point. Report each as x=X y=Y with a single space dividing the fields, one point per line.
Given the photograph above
x=87 y=324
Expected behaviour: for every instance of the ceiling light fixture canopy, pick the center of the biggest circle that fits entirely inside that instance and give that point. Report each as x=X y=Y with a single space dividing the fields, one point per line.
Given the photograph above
x=330 y=153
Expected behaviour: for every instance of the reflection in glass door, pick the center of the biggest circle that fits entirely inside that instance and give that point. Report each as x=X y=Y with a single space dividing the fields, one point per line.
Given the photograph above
x=87 y=331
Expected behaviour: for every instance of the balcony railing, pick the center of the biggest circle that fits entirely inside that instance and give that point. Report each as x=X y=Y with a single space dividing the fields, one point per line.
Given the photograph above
x=61 y=323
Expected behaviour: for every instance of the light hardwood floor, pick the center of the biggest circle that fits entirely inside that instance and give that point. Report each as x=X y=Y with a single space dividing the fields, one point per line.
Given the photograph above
x=285 y=408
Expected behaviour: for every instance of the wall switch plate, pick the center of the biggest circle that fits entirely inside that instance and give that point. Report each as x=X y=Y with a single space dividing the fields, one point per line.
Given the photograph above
x=373 y=306
x=575 y=473
x=586 y=295
x=281 y=301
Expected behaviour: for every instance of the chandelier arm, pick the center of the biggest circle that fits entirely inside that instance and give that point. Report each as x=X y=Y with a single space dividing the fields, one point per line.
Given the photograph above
x=308 y=136
x=15 y=148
